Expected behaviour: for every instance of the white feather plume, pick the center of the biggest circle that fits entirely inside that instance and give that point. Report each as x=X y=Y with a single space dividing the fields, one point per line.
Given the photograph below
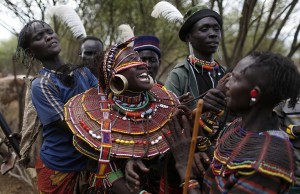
x=125 y=33
x=168 y=11
x=67 y=15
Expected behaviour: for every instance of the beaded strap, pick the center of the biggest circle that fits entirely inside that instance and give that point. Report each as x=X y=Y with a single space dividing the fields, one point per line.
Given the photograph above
x=106 y=143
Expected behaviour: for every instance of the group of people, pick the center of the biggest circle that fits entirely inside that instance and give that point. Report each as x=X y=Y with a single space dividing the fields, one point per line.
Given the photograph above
x=109 y=126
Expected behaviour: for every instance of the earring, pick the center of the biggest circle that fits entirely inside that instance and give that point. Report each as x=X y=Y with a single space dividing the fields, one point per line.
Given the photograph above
x=253 y=95
x=191 y=50
x=117 y=87
x=151 y=80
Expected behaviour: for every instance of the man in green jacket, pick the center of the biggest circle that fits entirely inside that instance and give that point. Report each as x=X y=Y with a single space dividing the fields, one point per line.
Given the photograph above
x=199 y=72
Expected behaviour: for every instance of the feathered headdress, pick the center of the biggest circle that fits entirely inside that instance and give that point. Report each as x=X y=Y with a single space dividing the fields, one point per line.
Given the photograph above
x=168 y=11
x=125 y=33
x=194 y=14
x=67 y=15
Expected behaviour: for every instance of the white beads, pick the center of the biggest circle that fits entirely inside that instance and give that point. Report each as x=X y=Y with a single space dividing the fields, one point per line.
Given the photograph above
x=156 y=140
x=94 y=135
x=163 y=106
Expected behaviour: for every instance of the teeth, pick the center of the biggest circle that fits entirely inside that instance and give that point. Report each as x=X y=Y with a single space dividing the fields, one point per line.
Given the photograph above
x=143 y=79
x=143 y=75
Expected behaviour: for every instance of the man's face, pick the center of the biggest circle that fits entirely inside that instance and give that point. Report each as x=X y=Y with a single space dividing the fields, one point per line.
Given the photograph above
x=205 y=35
x=89 y=49
x=152 y=60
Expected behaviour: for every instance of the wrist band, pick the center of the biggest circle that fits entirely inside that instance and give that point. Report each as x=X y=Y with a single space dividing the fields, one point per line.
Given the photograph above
x=204 y=126
x=114 y=176
x=221 y=113
x=203 y=143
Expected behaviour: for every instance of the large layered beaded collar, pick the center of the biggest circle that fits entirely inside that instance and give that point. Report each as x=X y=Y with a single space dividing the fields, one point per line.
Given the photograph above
x=136 y=131
x=247 y=152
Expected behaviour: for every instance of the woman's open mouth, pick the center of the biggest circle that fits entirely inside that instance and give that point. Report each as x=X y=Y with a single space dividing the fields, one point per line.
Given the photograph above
x=144 y=77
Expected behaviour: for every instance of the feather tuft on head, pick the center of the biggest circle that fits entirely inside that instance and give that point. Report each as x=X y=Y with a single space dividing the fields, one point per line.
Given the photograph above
x=67 y=15
x=125 y=33
x=168 y=11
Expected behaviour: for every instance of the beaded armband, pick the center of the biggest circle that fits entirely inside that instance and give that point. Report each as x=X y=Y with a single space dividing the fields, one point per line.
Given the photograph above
x=209 y=121
x=289 y=131
x=203 y=144
x=114 y=176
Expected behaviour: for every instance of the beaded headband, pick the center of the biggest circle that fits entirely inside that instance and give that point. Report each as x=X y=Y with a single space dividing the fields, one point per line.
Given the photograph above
x=110 y=67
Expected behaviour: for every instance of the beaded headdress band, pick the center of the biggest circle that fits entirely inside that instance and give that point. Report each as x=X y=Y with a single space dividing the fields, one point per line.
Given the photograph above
x=110 y=67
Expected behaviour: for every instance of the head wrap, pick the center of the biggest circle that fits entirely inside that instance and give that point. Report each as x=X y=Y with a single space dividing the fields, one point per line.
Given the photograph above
x=113 y=64
x=147 y=43
x=195 y=14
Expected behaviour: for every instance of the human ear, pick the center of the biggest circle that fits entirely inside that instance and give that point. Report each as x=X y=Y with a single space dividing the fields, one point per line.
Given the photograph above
x=188 y=37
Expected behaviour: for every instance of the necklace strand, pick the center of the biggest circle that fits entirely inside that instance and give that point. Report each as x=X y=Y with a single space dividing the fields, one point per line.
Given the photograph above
x=209 y=65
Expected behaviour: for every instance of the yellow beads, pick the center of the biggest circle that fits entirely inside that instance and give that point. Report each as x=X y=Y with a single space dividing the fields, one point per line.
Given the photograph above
x=124 y=141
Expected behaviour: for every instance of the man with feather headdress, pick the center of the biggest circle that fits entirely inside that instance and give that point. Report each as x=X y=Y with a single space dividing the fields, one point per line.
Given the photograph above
x=201 y=30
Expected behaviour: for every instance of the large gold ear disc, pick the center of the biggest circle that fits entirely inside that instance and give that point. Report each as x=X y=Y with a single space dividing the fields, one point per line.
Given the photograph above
x=151 y=80
x=118 y=84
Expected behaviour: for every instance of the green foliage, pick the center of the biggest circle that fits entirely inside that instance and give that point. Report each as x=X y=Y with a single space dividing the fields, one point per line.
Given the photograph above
x=7 y=50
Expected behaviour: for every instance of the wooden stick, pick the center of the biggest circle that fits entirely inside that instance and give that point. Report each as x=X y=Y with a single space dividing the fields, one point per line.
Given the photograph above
x=192 y=146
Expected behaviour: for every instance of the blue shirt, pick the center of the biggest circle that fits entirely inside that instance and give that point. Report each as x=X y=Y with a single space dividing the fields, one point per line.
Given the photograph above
x=49 y=96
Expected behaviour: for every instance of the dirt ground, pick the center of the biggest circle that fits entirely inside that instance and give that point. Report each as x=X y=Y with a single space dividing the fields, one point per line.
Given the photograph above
x=11 y=185
x=9 y=108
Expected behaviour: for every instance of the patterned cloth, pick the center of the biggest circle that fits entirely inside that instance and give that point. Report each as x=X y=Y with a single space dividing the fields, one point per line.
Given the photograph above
x=51 y=181
x=251 y=162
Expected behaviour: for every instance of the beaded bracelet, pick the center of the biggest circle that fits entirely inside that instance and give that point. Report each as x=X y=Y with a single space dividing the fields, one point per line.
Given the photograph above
x=204 y=126
x=114 y=176
x=202 y=144
x=221 y=113
x=289 y=131
x=193 y=184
